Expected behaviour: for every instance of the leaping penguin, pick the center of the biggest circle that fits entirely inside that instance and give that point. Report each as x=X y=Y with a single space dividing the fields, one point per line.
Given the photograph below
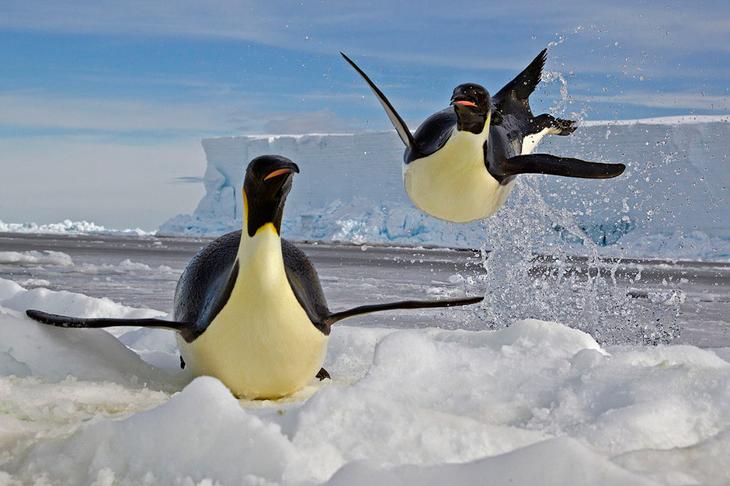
x=461 y=163
x=249 y=308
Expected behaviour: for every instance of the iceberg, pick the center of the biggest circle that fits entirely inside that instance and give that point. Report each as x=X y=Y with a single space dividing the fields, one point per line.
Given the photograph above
x=670 y=203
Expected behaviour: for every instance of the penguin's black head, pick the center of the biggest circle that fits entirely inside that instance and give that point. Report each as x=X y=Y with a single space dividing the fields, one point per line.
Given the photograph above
x=472 y=106
x=267 y=183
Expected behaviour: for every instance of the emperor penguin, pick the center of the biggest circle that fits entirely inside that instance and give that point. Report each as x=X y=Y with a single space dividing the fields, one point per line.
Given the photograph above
x=249 y=308
x=461 y=163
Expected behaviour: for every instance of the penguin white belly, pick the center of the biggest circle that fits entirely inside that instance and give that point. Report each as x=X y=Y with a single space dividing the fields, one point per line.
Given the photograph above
x=261 y=344
x=453 y=183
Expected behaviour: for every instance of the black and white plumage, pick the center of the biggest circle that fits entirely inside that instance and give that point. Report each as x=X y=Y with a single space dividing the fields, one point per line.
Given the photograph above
x=249 y=308
x=460 y=164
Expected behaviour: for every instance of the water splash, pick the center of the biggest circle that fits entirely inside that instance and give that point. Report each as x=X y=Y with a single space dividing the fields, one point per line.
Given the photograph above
x=560 y=106
x=531 y=272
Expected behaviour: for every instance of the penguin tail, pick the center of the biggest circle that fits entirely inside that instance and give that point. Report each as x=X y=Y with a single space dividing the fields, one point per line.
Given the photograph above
x=405 y=304
x=81 y=322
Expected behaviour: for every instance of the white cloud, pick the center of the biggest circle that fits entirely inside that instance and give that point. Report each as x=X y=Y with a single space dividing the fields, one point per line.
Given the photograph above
x=233 y=19
x=476 y=34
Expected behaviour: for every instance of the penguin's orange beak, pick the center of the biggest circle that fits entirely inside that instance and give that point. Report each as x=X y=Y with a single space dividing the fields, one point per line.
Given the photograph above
x=465 y=103
x=277 y=173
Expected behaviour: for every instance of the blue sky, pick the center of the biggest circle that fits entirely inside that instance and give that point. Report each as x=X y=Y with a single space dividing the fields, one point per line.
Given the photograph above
x=86 y=84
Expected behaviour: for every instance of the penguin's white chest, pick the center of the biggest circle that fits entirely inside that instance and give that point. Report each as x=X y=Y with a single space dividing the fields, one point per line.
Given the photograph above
x=262 y=343
x=453 y=183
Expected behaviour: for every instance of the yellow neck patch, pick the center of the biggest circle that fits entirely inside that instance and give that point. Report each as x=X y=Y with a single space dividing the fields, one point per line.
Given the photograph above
x=267 y=227
x=245 y=208
x=487 y=122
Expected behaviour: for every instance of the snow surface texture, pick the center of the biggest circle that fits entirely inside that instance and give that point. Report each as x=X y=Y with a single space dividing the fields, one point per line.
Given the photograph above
x=536 y=403
x=671 y=202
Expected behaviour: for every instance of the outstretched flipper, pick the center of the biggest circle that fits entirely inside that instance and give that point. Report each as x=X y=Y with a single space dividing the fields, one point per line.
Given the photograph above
x=400 y=126
x=82 y=322
x=405 y=304
x=554 y=165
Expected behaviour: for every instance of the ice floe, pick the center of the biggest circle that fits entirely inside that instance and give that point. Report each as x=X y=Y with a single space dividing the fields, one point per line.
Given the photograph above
x=534 y=403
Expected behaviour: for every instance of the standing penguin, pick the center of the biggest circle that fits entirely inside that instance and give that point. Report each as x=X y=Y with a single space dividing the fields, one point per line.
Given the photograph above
x=461 y=163
x=249 y=308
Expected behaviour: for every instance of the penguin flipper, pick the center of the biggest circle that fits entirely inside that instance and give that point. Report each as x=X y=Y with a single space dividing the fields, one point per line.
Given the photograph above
x=560 y=166
x=400 y=126
x=81 y=322
x=405 y=304
x=513 y=97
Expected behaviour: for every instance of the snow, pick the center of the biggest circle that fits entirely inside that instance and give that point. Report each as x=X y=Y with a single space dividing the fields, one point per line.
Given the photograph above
x=551 y=462
x=52 y=353
x=47 y=257
x=35 y=282
x=17 y=298
x=68 y=227
x=670 y=203
x=534 y=403
x=125 y=266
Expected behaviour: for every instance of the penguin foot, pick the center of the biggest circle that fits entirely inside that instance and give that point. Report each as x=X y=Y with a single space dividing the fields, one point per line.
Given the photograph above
x=566 y=127
x=556 y=126
x=322 y=375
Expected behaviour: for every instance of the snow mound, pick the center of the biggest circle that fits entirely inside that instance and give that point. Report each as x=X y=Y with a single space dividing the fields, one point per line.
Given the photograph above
x=535 y=403
x=191 y=439
x=8 y=289
x=46 y=257
x=552 y=462
x=53 y=354
x=15 y=297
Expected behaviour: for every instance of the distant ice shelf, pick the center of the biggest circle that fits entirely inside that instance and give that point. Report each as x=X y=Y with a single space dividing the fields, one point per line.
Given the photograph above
x=671 y=202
